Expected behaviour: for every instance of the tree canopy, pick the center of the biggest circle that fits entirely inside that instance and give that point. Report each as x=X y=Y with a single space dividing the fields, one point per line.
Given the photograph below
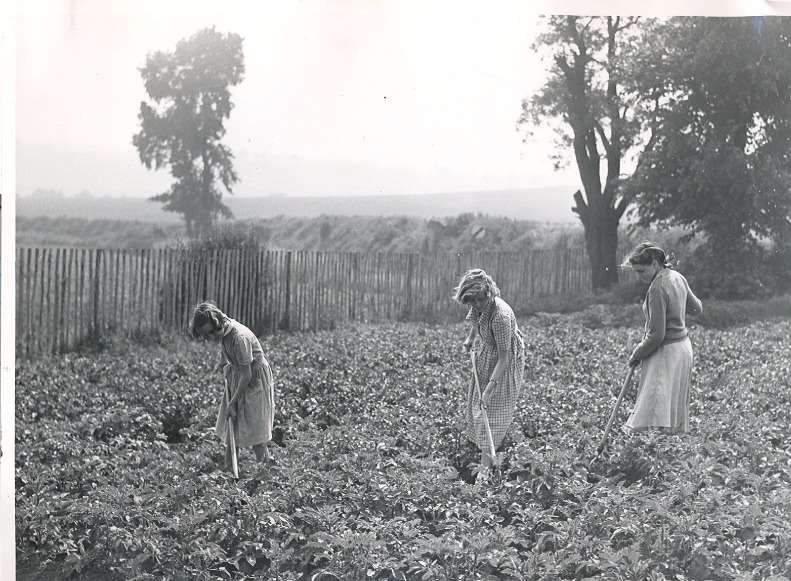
x=699 y=109
x=721 y=115
x=183 y=122
x=590 y=102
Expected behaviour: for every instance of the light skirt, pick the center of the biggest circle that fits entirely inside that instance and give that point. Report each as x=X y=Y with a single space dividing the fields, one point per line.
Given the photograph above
x=255 y=410
x=663 y=393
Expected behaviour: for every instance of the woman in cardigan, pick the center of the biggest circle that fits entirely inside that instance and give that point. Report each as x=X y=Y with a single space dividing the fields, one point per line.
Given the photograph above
x=665 y=351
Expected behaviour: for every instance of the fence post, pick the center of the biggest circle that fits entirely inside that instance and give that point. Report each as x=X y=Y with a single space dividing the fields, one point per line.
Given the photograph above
x=285 y=321
x=96 y=286
x=410 y=269
x=63 y=323
x=316 y=302
x=354 y=281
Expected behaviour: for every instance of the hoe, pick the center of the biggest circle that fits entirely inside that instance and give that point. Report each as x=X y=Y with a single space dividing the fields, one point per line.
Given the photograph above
x=492 y=451
x=230 y=439
x=616 y=407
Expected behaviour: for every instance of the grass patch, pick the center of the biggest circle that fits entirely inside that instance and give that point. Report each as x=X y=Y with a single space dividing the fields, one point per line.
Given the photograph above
x=724 y=314
x=618 y=308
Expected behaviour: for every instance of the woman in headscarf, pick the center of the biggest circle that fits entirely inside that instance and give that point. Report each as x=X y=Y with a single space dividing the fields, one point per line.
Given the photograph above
x=665 y=353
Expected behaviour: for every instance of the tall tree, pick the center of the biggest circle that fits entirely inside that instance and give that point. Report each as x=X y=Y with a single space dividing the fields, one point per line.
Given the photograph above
x=721 y=161
x=182 y=123
x=587 y=91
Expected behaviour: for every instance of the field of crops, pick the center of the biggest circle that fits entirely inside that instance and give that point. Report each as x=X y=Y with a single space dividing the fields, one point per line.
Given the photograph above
x=119 y=474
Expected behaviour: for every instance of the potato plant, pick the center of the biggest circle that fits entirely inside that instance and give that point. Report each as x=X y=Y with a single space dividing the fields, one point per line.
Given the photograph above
x=119 y=474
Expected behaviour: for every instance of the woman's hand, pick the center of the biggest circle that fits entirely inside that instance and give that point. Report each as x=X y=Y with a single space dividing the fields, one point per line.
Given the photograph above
x=633 y=359
x=633 y=362
x=467 y=345
x=231 y=409
x=486 y=396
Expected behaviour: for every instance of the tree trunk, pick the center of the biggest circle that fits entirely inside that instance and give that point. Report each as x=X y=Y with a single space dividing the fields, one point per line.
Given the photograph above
x=590 y=117
x=600 y=222
x=601 y=238
x=206 y=208
x=203 y=226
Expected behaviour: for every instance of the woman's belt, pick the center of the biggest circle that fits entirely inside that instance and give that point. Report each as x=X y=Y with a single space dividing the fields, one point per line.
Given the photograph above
x=668 y=340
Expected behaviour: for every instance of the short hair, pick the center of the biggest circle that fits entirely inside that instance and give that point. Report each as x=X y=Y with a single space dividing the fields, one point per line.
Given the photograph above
x=646 y=252
x=475 y=283
x=206 y=312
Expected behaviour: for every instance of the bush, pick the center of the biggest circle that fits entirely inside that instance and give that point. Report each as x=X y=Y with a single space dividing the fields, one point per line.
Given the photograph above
x=721 y=314
x=742 y=273
x=237 y=235
x=559 y=304
x=609 y=310
x=778 y=264
x=627 y=292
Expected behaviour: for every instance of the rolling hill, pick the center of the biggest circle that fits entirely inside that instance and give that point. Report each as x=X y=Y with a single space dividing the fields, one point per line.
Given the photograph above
x=536 y=205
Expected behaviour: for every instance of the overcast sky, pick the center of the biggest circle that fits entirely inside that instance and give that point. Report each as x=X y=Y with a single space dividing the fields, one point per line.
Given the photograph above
x=339 y=97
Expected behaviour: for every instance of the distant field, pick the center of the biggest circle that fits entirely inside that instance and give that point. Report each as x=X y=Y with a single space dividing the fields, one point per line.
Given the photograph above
x=334 y=233
x=465 y=232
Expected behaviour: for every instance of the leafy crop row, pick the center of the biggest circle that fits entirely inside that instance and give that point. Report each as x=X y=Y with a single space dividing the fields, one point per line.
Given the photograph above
x=119 y=474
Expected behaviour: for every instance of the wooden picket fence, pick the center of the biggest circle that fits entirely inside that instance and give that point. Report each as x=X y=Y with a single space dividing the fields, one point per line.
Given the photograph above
x=66 y=296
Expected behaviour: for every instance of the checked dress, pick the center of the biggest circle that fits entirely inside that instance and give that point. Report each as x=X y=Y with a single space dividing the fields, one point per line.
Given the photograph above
x=496 y=325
